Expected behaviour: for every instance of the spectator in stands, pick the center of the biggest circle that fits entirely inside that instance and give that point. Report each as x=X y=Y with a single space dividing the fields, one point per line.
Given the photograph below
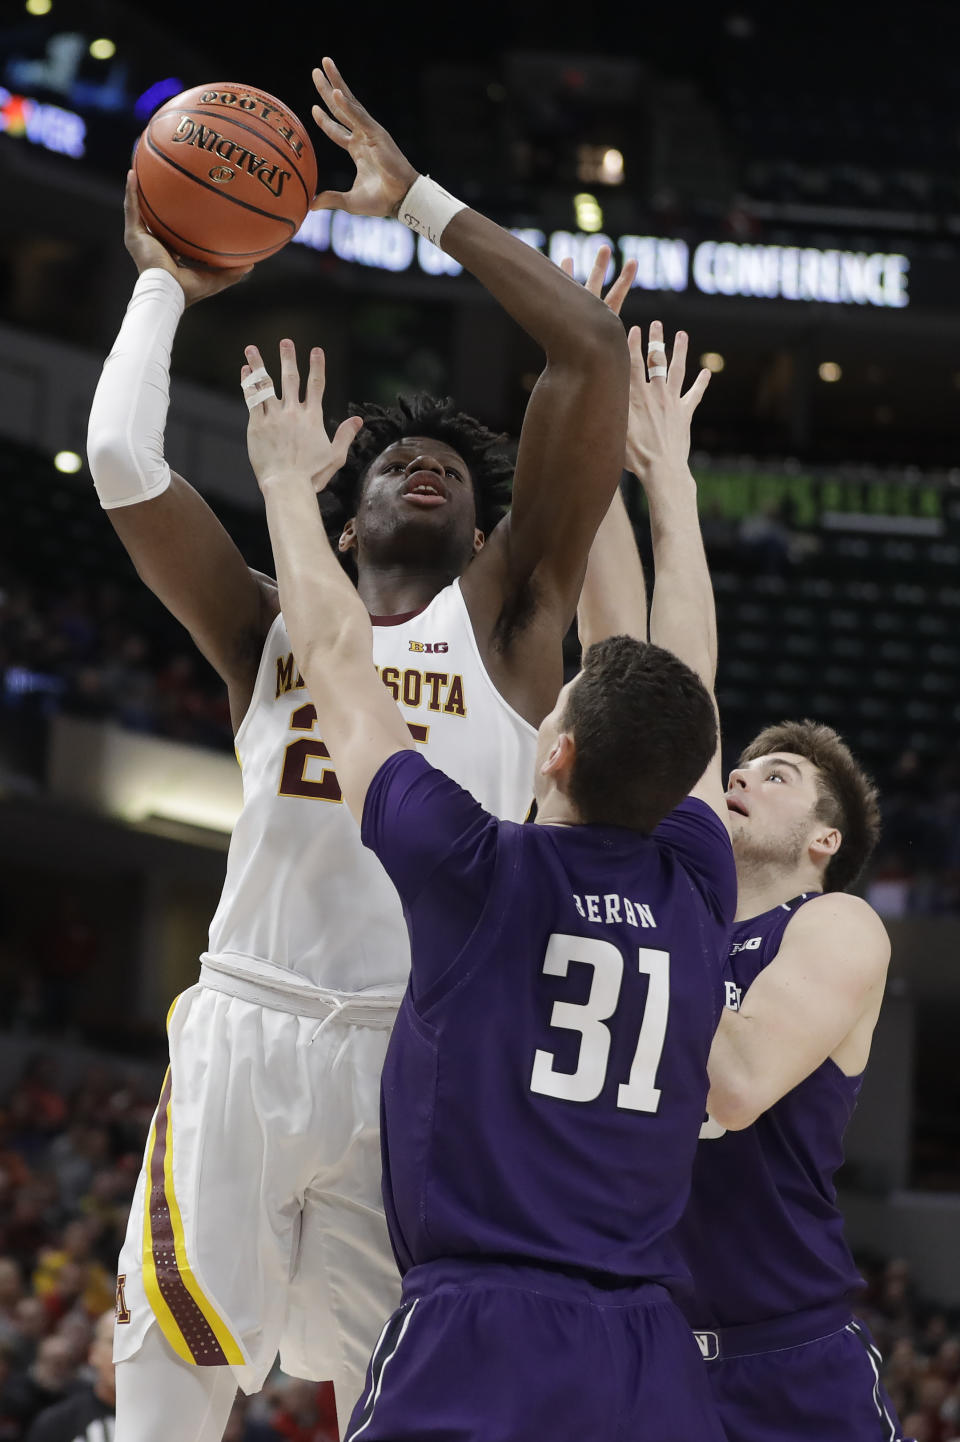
x=71 y=1419
x=48 y=1379
x=70 y=1273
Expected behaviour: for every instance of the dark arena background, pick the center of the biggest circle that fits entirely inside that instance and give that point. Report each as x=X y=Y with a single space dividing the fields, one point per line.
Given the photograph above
x=788 y=179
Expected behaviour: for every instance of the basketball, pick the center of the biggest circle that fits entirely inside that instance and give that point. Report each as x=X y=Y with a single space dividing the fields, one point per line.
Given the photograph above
x=226 y=174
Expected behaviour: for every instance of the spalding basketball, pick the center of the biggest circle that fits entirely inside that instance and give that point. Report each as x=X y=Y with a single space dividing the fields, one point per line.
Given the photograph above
x=226 y=174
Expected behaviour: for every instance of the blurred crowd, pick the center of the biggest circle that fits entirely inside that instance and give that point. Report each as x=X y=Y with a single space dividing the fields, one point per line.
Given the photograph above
x=69 y=1159
x=86 y=652
x=920 y=1343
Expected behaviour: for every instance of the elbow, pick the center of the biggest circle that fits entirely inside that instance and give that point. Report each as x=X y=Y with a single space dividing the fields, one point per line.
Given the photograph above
x=734 y=1107
x=606 y=339
x=593 y=337
x=107 y=452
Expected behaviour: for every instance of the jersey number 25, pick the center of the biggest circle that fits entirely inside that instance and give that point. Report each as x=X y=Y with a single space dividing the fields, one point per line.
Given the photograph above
x=639 y=1092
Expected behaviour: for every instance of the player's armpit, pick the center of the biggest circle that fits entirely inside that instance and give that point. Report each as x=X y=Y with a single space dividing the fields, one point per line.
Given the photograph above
x=828 y=974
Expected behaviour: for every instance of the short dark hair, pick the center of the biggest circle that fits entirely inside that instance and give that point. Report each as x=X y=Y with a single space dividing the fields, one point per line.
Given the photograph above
x=645 y=730
x=422 y=415
x=846 y=796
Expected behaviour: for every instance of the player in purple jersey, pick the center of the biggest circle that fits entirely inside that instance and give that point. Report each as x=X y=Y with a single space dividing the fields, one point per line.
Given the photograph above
x=546 y=1077
x=773 y=1275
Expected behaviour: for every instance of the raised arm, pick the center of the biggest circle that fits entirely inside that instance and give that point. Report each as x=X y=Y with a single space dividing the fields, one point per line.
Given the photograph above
x=613 y=598
x=823 y=987
x=327 y=622
x=180 y=549
x=682 y=612
x=571 y=444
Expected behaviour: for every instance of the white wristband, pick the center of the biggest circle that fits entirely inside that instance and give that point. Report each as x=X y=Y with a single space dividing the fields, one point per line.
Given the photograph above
x=129 y=411
x=428 y=209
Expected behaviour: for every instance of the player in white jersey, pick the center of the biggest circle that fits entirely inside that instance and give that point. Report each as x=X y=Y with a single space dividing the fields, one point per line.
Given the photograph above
x=257 y=1223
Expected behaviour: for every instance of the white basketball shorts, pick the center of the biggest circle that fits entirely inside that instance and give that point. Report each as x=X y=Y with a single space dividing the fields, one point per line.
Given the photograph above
x=257 y=1225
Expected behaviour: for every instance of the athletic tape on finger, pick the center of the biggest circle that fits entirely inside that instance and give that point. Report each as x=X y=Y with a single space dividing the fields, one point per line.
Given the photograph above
x=255 y=399
x=255 y=377
x=656 y=371
x=656 y=345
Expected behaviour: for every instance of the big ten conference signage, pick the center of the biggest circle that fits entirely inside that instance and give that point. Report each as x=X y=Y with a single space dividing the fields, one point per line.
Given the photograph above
x=725 y=268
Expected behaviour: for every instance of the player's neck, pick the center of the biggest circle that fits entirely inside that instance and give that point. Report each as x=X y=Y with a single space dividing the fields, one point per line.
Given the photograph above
x=761 y=887
x=395 y=590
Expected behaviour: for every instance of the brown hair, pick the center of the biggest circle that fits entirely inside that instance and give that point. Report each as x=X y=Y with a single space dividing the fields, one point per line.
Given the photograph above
x=645 y=731
x=846 y=795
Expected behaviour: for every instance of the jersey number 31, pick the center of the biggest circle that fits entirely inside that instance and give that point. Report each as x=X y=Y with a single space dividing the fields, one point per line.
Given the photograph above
x=639 y=1092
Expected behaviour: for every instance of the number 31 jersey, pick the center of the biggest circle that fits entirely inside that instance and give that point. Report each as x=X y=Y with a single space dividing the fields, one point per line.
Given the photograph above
x=546 y=1076
x=303 y=903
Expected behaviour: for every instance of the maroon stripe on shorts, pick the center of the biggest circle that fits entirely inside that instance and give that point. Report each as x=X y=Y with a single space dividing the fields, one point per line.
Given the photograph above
x=197 y=1332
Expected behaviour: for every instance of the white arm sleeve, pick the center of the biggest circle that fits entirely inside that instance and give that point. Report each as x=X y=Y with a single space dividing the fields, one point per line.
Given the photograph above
x=129 y=411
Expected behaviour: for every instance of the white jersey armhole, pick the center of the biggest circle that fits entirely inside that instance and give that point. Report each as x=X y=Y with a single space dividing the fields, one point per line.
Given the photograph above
x=521 y=720
x=257 y=685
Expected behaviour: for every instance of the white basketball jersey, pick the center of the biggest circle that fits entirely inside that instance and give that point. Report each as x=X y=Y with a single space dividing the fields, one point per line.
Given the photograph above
x=303 y=900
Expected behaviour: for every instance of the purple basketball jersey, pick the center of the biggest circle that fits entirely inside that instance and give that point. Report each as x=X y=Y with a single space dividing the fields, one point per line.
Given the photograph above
x=762 y=1234
x=546 y=1078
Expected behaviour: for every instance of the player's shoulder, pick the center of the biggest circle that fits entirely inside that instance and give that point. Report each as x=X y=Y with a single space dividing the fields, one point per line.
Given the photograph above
x=839 y=923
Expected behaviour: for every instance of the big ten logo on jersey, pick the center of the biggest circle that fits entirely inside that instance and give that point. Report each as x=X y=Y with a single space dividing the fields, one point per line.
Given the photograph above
x=433 y=648
x=752 y=943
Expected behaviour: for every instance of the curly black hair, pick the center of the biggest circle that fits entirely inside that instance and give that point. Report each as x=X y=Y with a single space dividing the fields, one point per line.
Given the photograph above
x=422 y=415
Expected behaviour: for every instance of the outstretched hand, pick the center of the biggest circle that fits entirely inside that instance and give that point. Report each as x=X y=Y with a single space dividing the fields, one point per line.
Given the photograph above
x=149 y=252
x=384 y=175
x=621 y=287
x=658 y=425
x=287 y=437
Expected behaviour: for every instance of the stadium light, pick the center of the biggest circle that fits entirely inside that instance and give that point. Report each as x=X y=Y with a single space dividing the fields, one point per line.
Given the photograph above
x=39 y=7
x=68 y=462
x=102 y=49
x=588 y=213
x=713 y=361
x=611 y=167
x=829 y=371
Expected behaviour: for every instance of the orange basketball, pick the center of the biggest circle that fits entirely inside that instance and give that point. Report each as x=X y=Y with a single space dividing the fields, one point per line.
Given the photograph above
x=226 y=174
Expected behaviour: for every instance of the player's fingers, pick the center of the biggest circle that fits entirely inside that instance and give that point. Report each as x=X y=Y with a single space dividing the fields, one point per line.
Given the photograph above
x=678 y=362
x=333 y=91
x=255 y=381
x=598 y=271
x=132 y=220
x=656 y=353
x=330 y=200
x=635 y=347
x=335 y=76
x=695 y=394
x=316 y=376
x=345 y=434
x=352 y=112
x=621 y=287
x=334 y=131
x=566 y=265
x=289 y=373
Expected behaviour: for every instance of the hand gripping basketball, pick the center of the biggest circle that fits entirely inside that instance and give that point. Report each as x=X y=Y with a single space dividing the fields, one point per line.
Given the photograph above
x=148 y=252
x=286 y=438
x=384 y=174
